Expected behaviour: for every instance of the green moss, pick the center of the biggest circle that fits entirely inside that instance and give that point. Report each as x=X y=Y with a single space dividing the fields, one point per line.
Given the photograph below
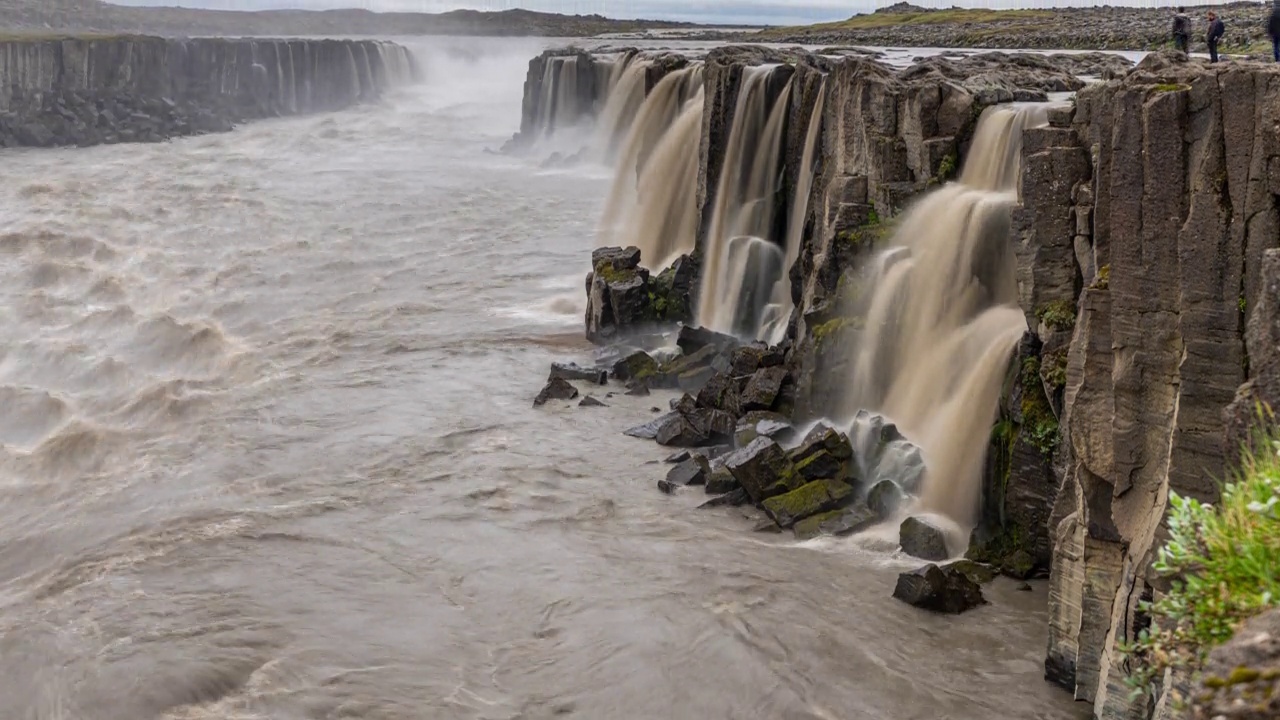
x=1171 y=87
x=1242 y=675
x=1053 y=369
x=607 y=272
x=1242 y=304
x=947 y=168
x=873 y=217
x=1058 y=315
x=826 y=329
x=1103 y=281
x=1039 y=424
x=808 y=499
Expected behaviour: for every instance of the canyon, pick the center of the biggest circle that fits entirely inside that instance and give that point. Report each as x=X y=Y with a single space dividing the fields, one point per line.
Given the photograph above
x=1126 y=257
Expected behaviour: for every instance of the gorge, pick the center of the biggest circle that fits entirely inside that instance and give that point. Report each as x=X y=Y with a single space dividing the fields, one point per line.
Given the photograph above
x=1061 y=326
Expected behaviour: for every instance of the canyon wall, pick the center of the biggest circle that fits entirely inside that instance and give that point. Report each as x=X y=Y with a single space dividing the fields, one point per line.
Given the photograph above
x=1146 y=207
x=87 y=91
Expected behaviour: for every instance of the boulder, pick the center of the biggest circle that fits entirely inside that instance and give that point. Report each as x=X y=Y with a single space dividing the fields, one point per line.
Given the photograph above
x=820 y=465
x=573 y=371
x=807 y=500
x=762 y=468
x=638 y=389
x=720 y=392
x=822 y=439
x=886 y=499
x=922 y=539
x=590 y=401
x=617 y=293
x=761 y=424
x=693 y=339
x=733 y=498
x=721 y=481
x=680 y=431
x=836 y=522
x=639 y=365
x=980 y=573
x=674 y=290
x=693 y=471
x=748 y=359
x=649 y=430
x=1241 y=680
x=556 y=389
x=942 y=590
x=761 y=392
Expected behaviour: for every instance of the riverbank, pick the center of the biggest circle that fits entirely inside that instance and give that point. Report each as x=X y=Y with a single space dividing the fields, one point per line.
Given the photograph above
x=27 y=17
x=1091 y=28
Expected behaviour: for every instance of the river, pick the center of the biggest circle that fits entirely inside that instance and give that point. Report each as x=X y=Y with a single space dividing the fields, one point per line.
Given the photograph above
x=268 y=452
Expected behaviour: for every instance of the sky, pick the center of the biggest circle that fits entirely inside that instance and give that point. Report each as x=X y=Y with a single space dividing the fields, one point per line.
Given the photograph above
x=772 y=12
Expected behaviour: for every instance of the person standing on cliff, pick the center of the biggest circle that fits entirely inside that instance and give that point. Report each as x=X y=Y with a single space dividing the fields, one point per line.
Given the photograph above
x=1216 y=29
x=1182 y=29
x=1273 y=29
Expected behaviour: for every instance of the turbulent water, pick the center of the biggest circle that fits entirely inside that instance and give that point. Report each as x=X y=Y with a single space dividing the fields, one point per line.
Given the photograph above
x=268 y=452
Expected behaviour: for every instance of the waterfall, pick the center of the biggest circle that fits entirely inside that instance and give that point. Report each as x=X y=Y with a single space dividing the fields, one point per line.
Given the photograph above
x=621 y=104
x=774 y=324
x=942 y=318
x=652 y=204
x=739 y=271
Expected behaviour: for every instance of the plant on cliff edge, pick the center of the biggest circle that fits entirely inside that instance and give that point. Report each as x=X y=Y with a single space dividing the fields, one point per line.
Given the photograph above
x=1224 y=562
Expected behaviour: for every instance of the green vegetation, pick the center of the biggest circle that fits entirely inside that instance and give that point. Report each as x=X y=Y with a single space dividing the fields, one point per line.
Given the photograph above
x=1223 y=561
x=828 y=328
x=958 y=16
x=1039 y=423
x=1103 y=281
x=1053 y=369
x=1058 y=315
x=947 y=168
x=1171 y=87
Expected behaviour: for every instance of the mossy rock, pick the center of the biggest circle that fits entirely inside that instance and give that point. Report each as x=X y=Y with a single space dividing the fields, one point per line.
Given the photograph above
x=835 y=522
x=808 y=500
x=1059 y=315
x=636 y=366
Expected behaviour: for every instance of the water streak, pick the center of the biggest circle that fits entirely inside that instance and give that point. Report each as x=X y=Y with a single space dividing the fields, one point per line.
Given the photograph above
x=943 y=319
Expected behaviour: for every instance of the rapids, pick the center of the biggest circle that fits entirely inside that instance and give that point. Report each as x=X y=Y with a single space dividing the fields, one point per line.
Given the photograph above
x=267 y=451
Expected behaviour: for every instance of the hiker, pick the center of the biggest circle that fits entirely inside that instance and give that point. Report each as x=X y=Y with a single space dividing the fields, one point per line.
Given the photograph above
x=1216 y=28
x=1273 y=29
x=1182 y=28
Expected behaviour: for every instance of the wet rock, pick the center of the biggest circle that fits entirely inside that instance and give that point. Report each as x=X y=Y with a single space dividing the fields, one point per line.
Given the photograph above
x=823 y=439
x=639 y=389
x=762 y=391
x=637 y=366
x=980 y=573
x=760 y=424
x=649 y=430
x=941 y=590
x=590 y=401
x=836 y=522
x=1024 y=587
x=820 y=465
x=766 y=526
x=673 y=291
x=692 y=339
x=556 y=389
x=720 y=392
x=721 y=481
x=762 y=468
x=680 y=431
x=920 y=538
x=617 y=293
x=885 y=499
x=668 y=487
x=810 y=499
x=693 y=471
x=733 y=498
x=748 y=359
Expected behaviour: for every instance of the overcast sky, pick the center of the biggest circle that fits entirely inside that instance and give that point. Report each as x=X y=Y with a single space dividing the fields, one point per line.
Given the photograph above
x=710 y=11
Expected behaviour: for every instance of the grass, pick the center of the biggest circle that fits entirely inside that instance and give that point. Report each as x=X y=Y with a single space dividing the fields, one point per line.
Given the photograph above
x=958 y=16
x=1223 y=561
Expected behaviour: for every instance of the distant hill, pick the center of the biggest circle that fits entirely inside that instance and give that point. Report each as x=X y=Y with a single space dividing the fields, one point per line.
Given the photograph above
x=22 y=17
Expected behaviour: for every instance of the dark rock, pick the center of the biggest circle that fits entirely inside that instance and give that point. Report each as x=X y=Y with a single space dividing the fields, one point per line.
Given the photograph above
x=886 y=499
x=939 y=590
x=674 y=290
x=649 y=430
x=1241 y=680
x=762 y=469
x=573 y=371
x=760 y=424
x=807 y=500
x=721 y=481
x=980 y=573
x=823 y=439
x=668 y=487
x=639 y=389
x=616 y=258
x=720 y=392
x=556 y=389
x=734 y=498
x=766 y=526
x=679 y=431
x=836 y=522
x=920 y=538
x=762 y=391
x=589 y=401
x=820 y=465
x=700 y=359
x=693 y=471
x=693 y=339
x=679 y=456
x=1024 y=587
x=639 y=365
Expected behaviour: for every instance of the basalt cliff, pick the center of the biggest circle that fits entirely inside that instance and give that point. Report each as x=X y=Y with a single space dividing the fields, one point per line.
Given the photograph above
x=88 y=90
x=1118 y=278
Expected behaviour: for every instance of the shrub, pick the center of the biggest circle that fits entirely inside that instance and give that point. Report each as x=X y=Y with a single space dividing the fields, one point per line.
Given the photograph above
x=1223 y=559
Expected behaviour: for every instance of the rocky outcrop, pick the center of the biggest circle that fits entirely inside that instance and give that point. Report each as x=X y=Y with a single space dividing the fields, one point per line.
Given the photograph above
x=89 y=91
x=1171 y=228
x=1242 y=678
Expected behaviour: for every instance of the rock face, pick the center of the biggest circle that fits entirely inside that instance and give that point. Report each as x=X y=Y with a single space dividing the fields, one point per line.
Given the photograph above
x=82 y=92
x=1242 y=677
x=1181 y=204
x=947 y=589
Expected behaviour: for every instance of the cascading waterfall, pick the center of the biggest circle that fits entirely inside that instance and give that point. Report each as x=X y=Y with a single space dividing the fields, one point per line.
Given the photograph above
x=652 y=204
x=942 y=318
x=621 y=105
x=741 y=265
x=774 y=323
